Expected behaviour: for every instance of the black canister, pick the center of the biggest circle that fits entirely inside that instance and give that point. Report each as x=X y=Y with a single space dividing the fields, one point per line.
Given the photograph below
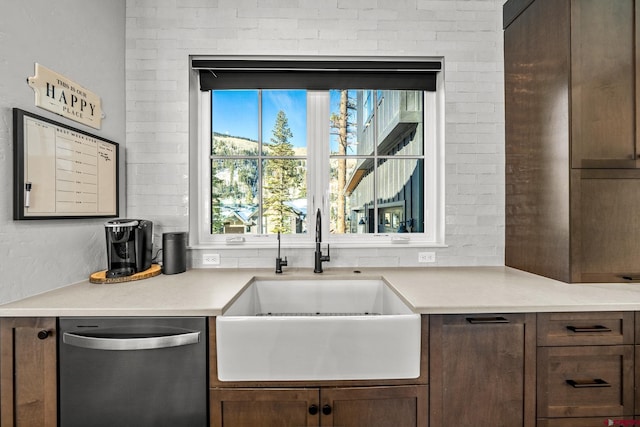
x=174 y=252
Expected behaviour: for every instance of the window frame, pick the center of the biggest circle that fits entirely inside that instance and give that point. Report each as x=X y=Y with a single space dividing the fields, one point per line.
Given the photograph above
x=318 y=191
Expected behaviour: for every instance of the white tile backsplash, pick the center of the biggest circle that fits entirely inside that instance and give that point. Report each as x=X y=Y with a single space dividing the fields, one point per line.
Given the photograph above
x=468 y=34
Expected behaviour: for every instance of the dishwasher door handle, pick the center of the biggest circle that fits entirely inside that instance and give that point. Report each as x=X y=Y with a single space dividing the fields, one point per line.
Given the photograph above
x=146 y=343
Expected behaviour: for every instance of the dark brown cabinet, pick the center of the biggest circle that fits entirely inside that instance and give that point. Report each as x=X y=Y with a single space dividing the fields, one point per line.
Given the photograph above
x=393 y=406
x=572 y=165
x=482 y=370
x=574 y=422
x=605 y=228
x=587 y=381
x=565 y=369
x=585 y=328
x=585 y=368
x=637 y=366
x=28 y=379
x=603 y=99
x=264 y=407
x=587 y=89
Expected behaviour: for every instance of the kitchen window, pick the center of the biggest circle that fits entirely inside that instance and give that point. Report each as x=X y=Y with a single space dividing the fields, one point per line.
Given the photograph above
x=360 y=140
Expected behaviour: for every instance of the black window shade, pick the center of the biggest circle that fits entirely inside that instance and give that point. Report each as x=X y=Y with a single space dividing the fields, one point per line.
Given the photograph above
x=316 y=75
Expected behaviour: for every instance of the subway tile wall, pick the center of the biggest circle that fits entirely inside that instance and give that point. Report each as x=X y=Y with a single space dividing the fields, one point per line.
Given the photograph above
x=161 y=34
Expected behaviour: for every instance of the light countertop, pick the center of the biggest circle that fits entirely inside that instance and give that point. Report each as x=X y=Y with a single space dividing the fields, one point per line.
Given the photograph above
x=444 y=290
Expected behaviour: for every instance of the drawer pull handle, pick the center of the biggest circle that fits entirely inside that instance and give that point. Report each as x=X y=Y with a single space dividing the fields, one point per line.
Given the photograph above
x=583 y=329
x=481 y=320
x=588 y=383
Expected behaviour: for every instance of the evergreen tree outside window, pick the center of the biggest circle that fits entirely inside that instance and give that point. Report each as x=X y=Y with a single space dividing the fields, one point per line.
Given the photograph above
x=258 y=178
x=283 y=179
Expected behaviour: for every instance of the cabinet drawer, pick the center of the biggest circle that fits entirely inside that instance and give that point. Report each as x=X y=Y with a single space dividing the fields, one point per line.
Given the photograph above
x=585 y=381
x=577 y=422
x=594 y=328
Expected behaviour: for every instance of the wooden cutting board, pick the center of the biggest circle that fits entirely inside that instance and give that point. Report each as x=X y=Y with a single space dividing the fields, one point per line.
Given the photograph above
x=100 y=277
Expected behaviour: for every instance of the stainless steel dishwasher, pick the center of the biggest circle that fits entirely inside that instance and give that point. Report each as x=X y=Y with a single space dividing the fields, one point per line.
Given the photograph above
x=132 y=371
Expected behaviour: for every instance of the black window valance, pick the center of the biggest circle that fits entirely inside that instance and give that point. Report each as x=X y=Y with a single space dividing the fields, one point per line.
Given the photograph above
x=316 y=74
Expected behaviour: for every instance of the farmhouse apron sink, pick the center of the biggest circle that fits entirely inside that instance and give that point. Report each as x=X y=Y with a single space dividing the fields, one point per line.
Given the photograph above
x=318 y=329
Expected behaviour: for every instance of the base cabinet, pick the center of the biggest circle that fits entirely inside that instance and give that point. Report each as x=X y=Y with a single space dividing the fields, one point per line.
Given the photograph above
x=584 y=422
x=585 y=369
x=392 y=406
x=482 y=370
x=28 y=379
x=264 y=407
x=637 y=364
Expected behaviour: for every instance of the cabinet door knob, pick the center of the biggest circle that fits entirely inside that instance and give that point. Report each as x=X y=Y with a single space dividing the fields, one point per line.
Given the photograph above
x=313 y=409
x=326 y=409
x=43 y=334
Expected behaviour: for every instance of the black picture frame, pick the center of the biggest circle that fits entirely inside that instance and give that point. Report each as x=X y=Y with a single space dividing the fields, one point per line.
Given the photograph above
x=107 y=159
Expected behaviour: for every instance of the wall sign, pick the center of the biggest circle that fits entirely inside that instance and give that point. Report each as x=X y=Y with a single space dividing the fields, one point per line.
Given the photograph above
x=58 y=94
x=61 y=172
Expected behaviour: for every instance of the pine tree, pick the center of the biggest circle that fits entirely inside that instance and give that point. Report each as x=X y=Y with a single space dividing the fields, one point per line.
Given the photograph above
x=217 y=222
x=282 y=177
x=340 y=126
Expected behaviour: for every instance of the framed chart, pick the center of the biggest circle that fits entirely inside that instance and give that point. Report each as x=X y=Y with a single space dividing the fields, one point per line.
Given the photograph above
x=62 y=172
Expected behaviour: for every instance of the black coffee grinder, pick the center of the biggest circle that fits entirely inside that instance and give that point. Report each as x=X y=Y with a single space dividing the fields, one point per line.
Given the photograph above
x=129 y=246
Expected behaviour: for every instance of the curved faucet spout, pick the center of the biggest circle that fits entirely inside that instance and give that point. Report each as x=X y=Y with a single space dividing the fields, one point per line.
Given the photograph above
x=318 y=226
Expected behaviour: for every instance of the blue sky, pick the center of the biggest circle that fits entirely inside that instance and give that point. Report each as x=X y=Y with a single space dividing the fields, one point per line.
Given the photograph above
x=235 y=112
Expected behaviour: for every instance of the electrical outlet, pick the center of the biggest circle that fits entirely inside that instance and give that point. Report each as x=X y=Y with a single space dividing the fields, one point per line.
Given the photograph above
x=211 y=259
x=426 y=257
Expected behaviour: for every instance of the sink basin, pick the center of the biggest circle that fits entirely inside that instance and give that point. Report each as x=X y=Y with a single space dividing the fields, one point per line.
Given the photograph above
x=315 y=329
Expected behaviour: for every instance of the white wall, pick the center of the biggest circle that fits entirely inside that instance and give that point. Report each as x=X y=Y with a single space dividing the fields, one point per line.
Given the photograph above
x=84 y=41
x=162 y=33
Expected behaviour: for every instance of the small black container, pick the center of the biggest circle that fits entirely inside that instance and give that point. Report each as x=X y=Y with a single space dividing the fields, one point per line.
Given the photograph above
x=174 y=252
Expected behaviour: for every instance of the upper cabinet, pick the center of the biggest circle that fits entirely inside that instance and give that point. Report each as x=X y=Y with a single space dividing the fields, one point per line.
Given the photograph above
x=572 y=145
x=572 y=67
x=603 y=96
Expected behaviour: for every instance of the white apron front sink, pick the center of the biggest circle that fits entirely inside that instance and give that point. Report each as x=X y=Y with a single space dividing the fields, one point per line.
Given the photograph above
x=315 y=329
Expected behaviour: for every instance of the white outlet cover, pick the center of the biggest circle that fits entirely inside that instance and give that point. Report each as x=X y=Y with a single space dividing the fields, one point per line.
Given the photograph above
x=426 y=257
x=211 y=259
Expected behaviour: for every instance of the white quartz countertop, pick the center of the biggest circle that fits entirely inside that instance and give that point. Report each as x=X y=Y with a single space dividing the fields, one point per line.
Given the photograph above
x=443 y=290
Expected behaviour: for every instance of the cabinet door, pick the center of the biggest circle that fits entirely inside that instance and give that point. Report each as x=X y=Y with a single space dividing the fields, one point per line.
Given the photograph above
x=393 y=406
x=605 y=225
x=264 y=407
x=28 y=372
x=602 y=84
x=482 y=370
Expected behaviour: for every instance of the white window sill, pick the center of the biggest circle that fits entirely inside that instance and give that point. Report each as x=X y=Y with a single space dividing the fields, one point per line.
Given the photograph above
x=311 y=245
